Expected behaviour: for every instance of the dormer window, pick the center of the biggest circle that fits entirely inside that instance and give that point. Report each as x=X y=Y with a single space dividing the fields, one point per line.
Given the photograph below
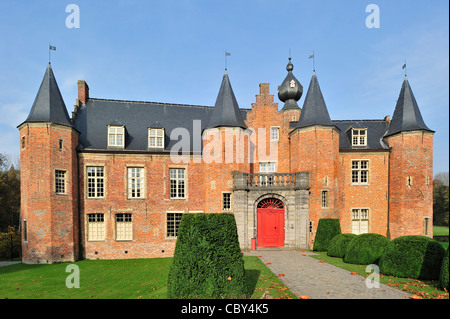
x=359 y=137
x=155 y=138
x=116 y=136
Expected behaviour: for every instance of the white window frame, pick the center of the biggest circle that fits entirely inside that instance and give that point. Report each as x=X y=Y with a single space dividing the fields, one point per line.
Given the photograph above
x=124 y=226
x=135 y=182
x=60 y=182
x=359 y=137
x=274 y=133
x=116 y=136
x=173 y=220
x=178 y=183
x=95 y=227
x=267 y=167
x=360 y=220
x=156 y=138
x=95 y=181
x=360 y=172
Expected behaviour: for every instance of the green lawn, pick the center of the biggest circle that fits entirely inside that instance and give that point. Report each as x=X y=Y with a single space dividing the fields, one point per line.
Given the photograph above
x=117 y=279
x=440 y=230
x=428 y=289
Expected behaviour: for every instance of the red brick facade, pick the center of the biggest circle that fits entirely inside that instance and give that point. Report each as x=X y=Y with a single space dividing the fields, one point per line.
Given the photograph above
x=397 y=194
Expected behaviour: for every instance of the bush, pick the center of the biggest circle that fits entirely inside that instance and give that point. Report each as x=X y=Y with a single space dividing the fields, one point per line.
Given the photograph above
x=11 y=233
x=338 y=245
x=365 y=249
x=326 y=230
x=417 y=257
x=207 y=261
x=443 y=277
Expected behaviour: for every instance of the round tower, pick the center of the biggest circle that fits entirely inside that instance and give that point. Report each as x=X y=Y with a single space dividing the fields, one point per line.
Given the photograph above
x=49 y=179
x=315 y=149
x=410 y=169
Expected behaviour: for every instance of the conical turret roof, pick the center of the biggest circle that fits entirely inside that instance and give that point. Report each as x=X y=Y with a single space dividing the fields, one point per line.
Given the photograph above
x=314 y=110
x=407 y=115
x=226 y=110
x=49 y=105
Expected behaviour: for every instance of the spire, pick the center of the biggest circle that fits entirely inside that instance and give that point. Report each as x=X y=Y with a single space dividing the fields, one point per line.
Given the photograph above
x=314 y=110
x=226 y=110
x=49 y=105
x=407 y=115
x=290 y=91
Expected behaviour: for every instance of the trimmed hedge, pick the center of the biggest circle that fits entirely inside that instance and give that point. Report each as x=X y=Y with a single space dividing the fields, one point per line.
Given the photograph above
x=365 y=249
x=207 y=261
x=338 y=245
x=418 y=257
x=326 y=230
x=443 y=277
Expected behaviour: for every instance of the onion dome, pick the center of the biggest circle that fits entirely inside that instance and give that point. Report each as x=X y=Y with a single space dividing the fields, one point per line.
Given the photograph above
x=291 y=90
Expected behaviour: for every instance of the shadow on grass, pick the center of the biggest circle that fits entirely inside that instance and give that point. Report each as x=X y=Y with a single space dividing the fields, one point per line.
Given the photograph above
x=251 y=278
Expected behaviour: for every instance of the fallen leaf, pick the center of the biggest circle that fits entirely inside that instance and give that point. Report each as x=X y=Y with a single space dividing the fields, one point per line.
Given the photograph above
x=354 y=273
x=321 y=261
x=281 y=274
x=268 y=263
x=229 y=278
x=415 y=297
x=303 y=297
x=303 y=254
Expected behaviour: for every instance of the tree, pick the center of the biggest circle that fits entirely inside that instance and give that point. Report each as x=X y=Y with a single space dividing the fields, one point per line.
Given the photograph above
x=9 y=194
x=440 y=199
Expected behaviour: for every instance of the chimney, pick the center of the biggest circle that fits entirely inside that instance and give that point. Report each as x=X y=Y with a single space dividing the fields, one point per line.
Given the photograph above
x=83 y=91
x=387 y=119
x=263 y=88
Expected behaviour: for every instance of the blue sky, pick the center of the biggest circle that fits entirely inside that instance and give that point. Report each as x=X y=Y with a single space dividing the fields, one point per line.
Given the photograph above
x=173 y=51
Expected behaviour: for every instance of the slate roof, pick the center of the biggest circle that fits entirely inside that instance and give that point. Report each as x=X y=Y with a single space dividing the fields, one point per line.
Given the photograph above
x=407 y=116
x=314 y=111
x=93 y=119
x=375 y=131
x=226 y=110
x=49 y=105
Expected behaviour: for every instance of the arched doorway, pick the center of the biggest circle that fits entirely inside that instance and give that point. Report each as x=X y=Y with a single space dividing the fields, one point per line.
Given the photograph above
x=270 y=223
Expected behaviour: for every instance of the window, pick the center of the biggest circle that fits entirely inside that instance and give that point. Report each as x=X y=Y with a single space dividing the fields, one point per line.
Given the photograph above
x=324 y=199
x=155 y=138
x=274 y=133
x=116 y=136
x=124 y=227
x=267 y=167
x=95 y=182
x=360 y=221
x=426 y=226
x=409 y=180
x=25 y=230
x=226 y=201
x=23 y=141
x=60 y=182
x=60 y=143
x=135 y=182
x=360 y=172
x=96 y=227
x=173 y=222
x=359 y=137
x=177 y=182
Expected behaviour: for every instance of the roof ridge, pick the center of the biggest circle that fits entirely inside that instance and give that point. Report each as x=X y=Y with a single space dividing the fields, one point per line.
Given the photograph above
x=151 y=102
x=372 y=120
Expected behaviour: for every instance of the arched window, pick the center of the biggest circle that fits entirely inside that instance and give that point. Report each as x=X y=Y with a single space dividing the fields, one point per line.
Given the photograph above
x=271 y=203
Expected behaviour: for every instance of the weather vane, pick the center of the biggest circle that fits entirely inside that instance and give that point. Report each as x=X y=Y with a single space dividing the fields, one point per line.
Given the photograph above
x=226 y=54
x=50 y=49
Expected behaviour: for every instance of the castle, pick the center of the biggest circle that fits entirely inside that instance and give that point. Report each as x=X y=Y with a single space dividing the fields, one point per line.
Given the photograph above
x=114 y=179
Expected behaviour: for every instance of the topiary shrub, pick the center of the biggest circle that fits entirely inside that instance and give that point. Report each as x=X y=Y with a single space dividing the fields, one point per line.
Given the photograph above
x=338 y=245
x=443 y=277
x=365 y=249
x=207 y=261
x=417 y=257
x=326 y=230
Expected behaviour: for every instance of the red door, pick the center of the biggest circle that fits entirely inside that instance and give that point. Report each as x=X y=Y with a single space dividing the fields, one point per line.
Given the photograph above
x=270 y=219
